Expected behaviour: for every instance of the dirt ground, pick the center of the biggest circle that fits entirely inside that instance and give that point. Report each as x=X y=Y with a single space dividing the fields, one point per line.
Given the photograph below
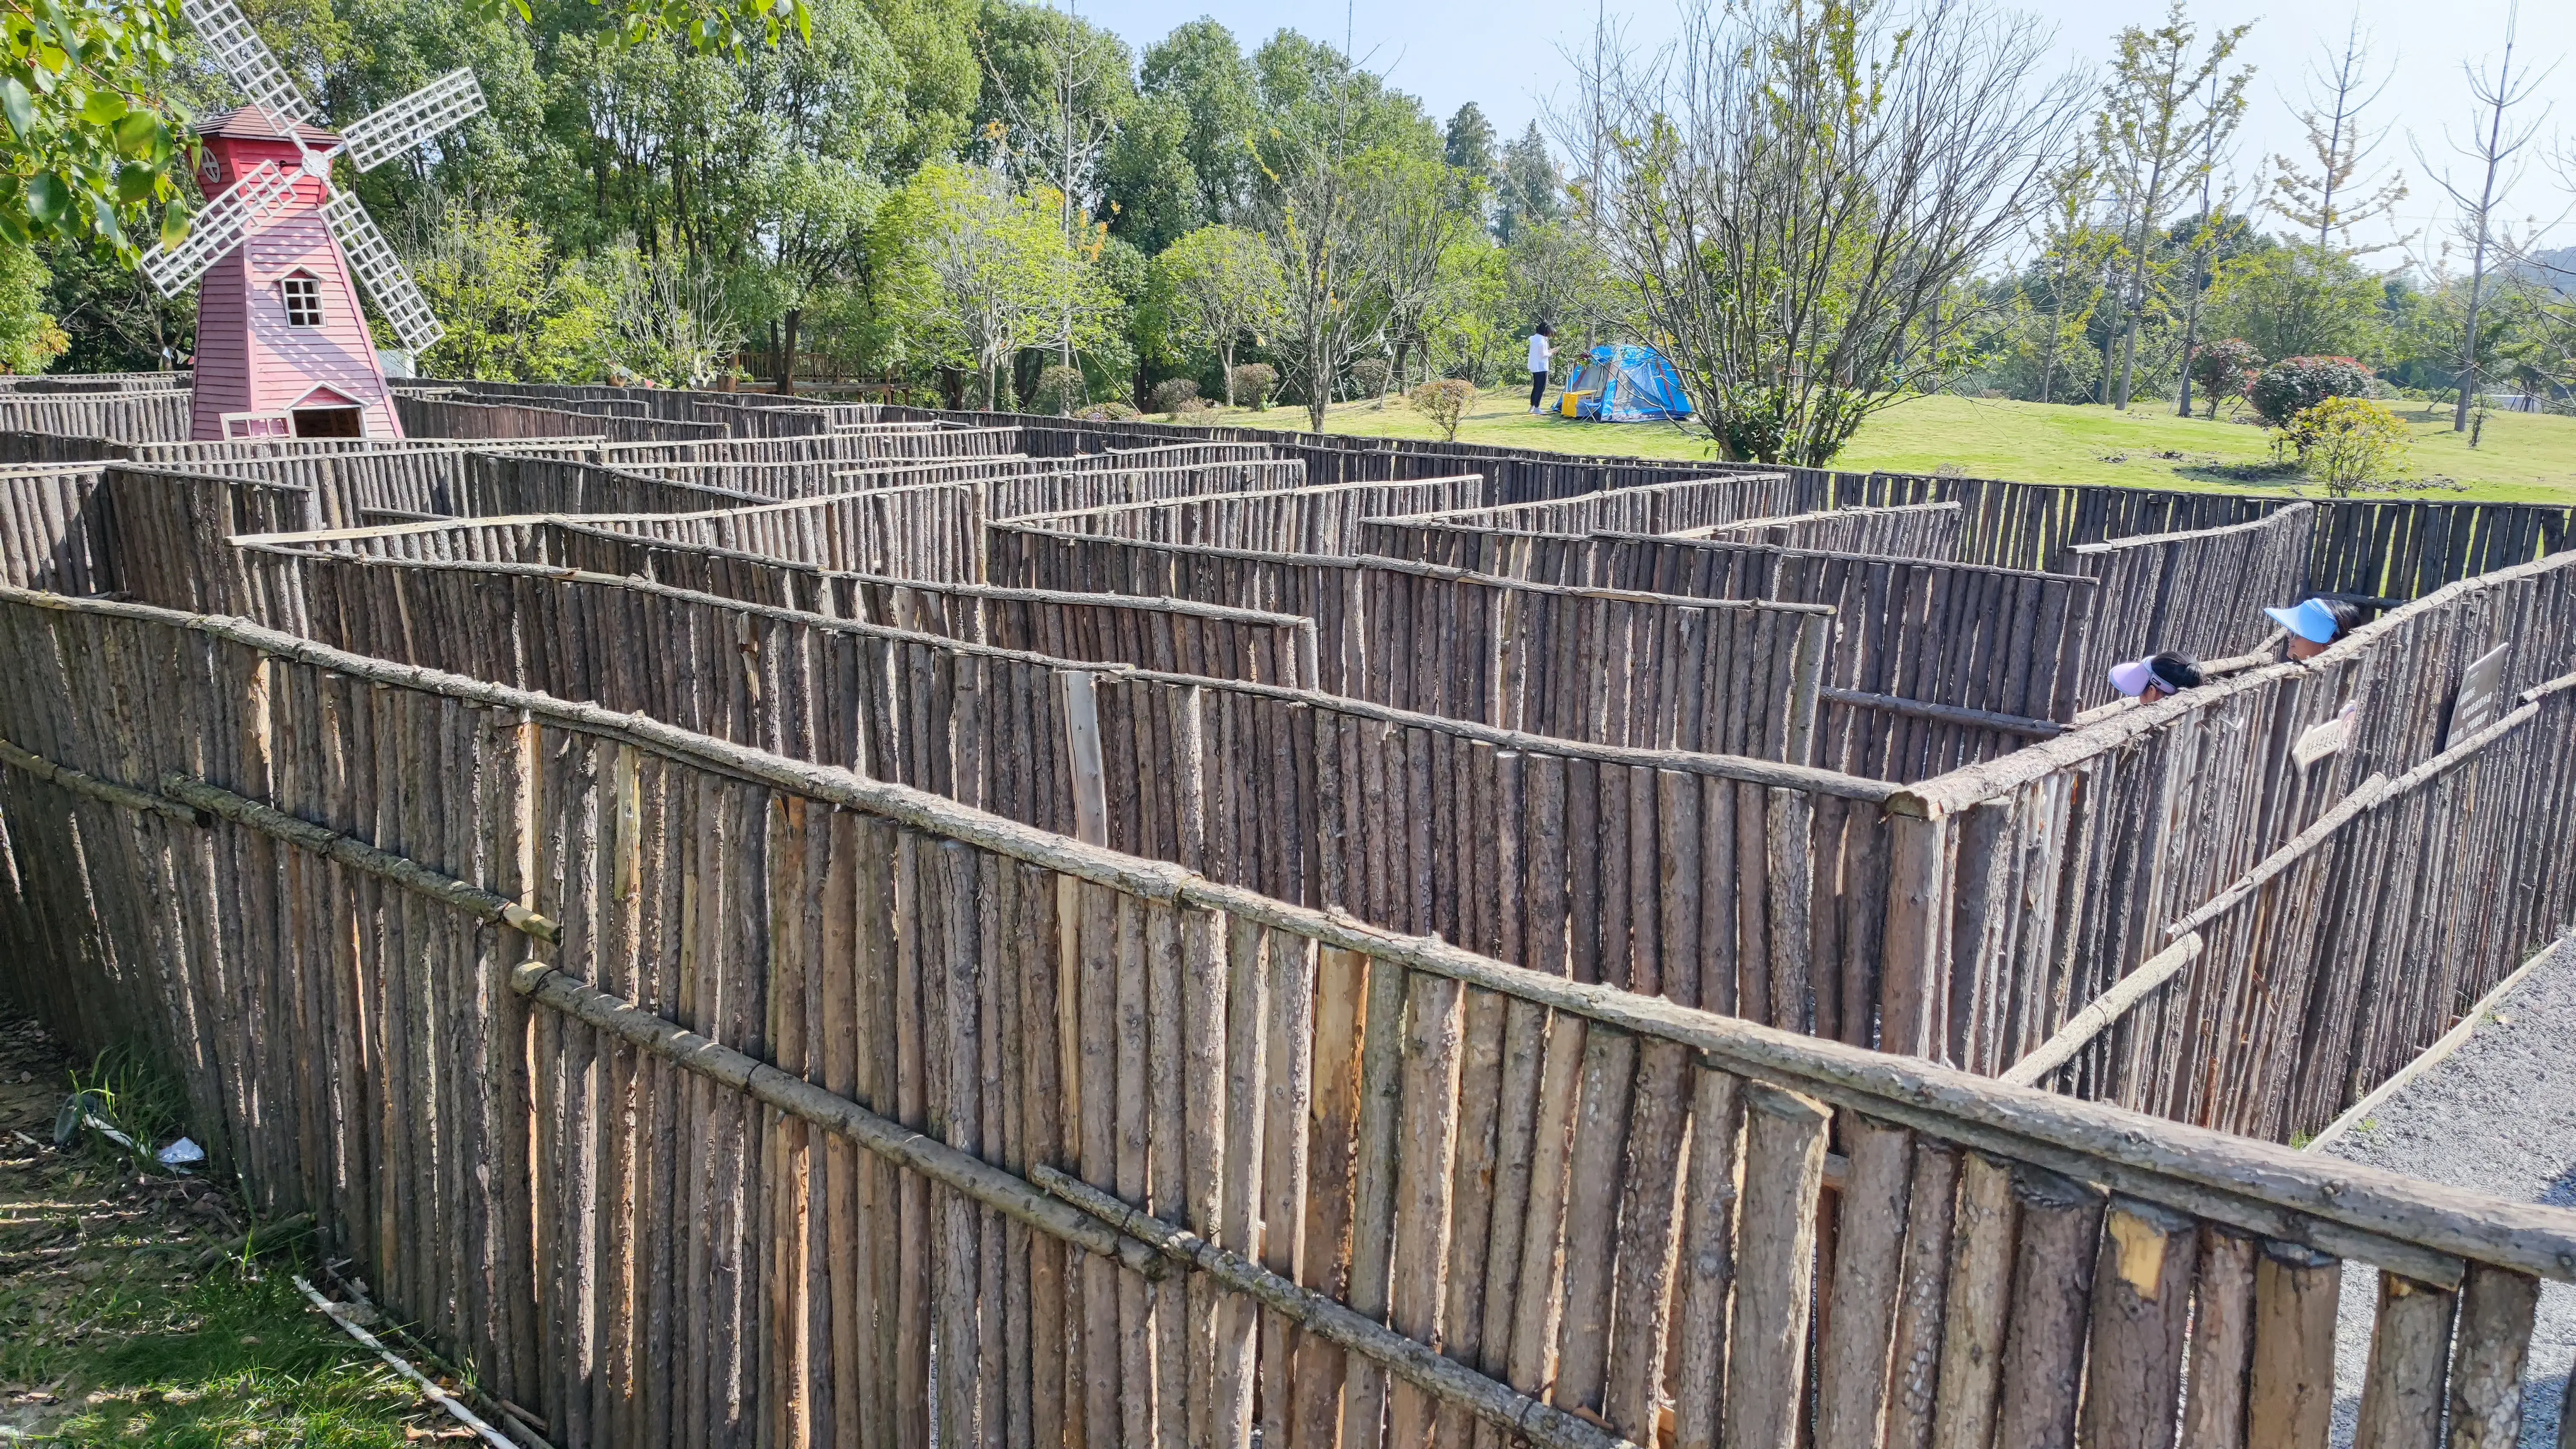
x=141 y=1308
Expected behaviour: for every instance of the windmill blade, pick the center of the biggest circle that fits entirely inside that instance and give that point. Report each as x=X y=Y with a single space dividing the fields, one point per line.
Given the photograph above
x=445 y=103
x=225 y=223
x=244 y=56
x=386 y=281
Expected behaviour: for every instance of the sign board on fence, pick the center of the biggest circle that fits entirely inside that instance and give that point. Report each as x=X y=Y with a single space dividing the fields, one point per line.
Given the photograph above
x=2474 y=707
x=2325 y=739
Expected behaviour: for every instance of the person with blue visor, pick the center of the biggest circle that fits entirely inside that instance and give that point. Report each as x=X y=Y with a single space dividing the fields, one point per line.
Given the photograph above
x=2315 y=624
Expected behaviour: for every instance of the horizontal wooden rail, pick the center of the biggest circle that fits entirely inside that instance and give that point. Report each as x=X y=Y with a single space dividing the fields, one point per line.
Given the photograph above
x=2103 y=1010
x=2421 y=1230
x=1414 y=1362
x=411 y=875
x=992 y=1186
x=2342 y=813
x=1957 y=714
x=90 y=785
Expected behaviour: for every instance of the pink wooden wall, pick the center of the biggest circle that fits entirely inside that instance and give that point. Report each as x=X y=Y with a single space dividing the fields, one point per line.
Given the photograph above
x=248 y=358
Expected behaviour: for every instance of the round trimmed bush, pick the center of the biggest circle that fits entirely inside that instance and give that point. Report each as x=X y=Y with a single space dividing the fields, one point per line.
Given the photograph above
x=2293 y=385
x=1253 y=382
x=1176 y=395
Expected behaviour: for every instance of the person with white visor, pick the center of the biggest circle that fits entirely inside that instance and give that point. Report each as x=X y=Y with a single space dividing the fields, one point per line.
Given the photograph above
x=2156 y=676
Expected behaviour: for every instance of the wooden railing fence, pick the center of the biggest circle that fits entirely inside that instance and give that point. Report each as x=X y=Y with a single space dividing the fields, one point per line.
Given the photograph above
x=2026 y=887
x=425 y=414
x=698 y=1096
x=126 y=417
x=1322 y=519
x=1909 y=530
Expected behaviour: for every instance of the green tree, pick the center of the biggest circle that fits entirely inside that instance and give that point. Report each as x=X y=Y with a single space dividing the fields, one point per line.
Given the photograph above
x=29 y=338
x=1199 y=67
x=1467 y=144
x=1218 y=287
x=511 y=311
x=972 y=273
x=2163 y=111
x=84 y=91
x=1529 y=191
x=1151 y=192
x=1800 y=192
x=2298 y=300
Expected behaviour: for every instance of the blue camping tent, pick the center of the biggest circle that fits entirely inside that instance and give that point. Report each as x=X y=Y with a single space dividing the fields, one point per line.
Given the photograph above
x=1627 y=384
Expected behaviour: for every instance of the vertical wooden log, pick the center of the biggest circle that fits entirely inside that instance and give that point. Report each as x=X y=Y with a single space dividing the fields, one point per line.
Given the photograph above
x=1650 y=1212
x=1915 y=1357
x=1425 y=1153
x=1852 y=1364
x=1595 y=1166
x=2222 y=1341
x=1979 y=1309
x=2410 y=1350
x=2061 y=1225
x=1341 y=988
x=1707 y=1258
x=2141 y=1302
x=1373 y=1207
x=1287 y=1097
x=1238 y=1319
x=2496 y=1311
x=1917 y=935
x=1784 y=1170
x=2290 y=1394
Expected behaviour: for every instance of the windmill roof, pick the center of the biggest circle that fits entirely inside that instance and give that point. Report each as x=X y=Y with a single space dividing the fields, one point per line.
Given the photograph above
x=250 y=123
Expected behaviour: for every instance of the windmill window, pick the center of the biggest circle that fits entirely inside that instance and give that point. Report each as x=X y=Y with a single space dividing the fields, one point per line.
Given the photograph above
x=303 y=301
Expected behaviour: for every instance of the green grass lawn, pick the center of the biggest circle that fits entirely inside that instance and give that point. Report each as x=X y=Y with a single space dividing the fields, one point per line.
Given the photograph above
x=2523 y=457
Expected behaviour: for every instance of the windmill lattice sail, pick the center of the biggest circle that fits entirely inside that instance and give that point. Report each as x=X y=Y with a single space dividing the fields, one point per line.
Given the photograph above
x=238 y=49
x=223 y=225
x=447 y=102
x=373 y=260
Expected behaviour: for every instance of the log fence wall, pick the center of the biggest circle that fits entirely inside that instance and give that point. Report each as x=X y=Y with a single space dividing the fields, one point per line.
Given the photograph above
x=2059 y=870
x=130 y=417
x=1325 y=519
x=865 y=1110
x=2202 y=593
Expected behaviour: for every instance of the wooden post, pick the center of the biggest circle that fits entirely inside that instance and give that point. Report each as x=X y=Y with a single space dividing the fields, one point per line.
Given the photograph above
x=1784 y=1170
x=2496 y=1309
x=2410 y=1349
x=2290 y=1397
x=1918 y=902
x=2141 y=1302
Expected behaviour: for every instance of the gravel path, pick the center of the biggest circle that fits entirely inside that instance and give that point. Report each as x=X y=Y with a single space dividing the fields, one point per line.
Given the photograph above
x=2498 y=1115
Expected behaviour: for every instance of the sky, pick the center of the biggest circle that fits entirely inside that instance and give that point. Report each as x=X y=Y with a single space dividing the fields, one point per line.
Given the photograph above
x=1506 y=55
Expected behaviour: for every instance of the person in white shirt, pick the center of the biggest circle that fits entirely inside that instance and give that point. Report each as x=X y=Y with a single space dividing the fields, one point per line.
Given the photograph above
x=1542 y=351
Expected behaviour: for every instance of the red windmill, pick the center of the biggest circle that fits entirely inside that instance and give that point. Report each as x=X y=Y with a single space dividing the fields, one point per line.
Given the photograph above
x=282 y=349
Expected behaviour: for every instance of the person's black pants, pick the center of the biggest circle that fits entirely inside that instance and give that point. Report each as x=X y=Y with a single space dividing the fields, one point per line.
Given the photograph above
x=1538 y=387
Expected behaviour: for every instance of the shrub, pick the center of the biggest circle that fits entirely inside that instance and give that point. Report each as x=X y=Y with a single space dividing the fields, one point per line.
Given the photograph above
x=1445 y=403
x=1176 y=395
x=1060 y=388
x=2350 y=444
x=2225 y=369
x=1252 y=384
x=1109 y=412
x=1368 y=379
x=2295 y=384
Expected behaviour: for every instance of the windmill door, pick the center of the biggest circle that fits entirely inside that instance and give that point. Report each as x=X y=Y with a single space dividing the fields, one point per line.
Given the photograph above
x=327 y=414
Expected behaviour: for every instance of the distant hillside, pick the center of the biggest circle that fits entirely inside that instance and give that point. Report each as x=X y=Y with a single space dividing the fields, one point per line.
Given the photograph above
x=2557 y=268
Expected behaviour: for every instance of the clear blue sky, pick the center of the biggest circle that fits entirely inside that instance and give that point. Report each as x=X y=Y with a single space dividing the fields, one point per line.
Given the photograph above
x=1505 y=55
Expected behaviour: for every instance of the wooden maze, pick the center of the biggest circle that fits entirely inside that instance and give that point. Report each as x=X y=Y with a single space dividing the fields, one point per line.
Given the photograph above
x=773 y=924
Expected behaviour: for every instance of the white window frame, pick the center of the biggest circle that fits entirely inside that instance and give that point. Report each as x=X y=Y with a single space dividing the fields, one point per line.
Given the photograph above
x=286 y=286
x=285 y=424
